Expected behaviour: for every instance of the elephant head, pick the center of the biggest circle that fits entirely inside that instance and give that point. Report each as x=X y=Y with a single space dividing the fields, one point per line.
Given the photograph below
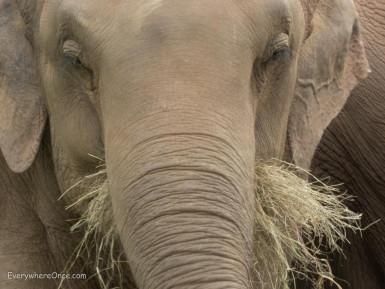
x=181 y=98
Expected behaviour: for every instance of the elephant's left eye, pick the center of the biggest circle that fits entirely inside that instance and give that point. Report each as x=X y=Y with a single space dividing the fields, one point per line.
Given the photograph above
x=72 y=52
x=281 y=53
x=279 y=48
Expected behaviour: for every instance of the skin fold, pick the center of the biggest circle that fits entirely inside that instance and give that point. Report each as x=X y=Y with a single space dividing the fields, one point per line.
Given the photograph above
x=351 y=152
x=182 y=99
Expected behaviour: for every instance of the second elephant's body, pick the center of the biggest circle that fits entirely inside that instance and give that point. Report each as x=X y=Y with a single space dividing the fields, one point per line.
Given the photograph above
x=352 y=152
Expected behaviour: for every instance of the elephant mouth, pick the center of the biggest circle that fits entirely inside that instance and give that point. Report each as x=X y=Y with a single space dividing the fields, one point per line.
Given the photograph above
x=297 y=223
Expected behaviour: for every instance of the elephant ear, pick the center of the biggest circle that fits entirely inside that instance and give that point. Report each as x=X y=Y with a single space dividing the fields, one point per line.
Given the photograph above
x=22 y=112
x=332 y=62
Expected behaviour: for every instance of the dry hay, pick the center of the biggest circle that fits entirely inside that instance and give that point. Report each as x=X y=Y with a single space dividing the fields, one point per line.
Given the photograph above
x=100 y=249
x=297 y=223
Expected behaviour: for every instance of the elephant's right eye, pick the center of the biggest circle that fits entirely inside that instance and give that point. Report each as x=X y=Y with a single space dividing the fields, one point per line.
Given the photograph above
x=279 y=49
x=72 y=52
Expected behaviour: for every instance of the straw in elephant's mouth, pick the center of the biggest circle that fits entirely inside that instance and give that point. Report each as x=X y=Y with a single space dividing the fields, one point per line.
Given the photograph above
x=100 y=249
x=295 y=222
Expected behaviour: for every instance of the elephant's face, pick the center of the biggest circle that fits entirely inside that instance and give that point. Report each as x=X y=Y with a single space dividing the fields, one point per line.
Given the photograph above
x=116 y=76
x=181 y=98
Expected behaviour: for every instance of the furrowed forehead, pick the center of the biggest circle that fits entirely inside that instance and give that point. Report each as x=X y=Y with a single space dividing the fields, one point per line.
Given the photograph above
x=90 y=12
x=140 y=9
x=114 y=15
x=89 y=8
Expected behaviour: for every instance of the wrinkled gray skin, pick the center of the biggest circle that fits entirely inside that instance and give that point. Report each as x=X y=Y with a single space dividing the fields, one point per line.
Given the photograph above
x=352 y=152
x=180 y=98
x=326 y=77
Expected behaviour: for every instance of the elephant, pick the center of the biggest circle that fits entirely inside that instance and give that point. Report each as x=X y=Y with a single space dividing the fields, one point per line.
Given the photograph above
x=351 y=153
x=172 y=105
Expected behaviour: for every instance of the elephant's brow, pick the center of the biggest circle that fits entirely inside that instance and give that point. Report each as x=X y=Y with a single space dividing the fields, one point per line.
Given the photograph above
x=76 y=13
x=69 y=20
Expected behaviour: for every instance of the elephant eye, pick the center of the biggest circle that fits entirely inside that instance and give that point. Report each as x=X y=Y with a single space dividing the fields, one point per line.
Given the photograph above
x=72 y=52
x=279 y=48
x=281 y=53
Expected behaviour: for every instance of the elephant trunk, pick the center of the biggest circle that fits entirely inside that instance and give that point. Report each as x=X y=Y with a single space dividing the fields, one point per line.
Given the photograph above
x=183 y=200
